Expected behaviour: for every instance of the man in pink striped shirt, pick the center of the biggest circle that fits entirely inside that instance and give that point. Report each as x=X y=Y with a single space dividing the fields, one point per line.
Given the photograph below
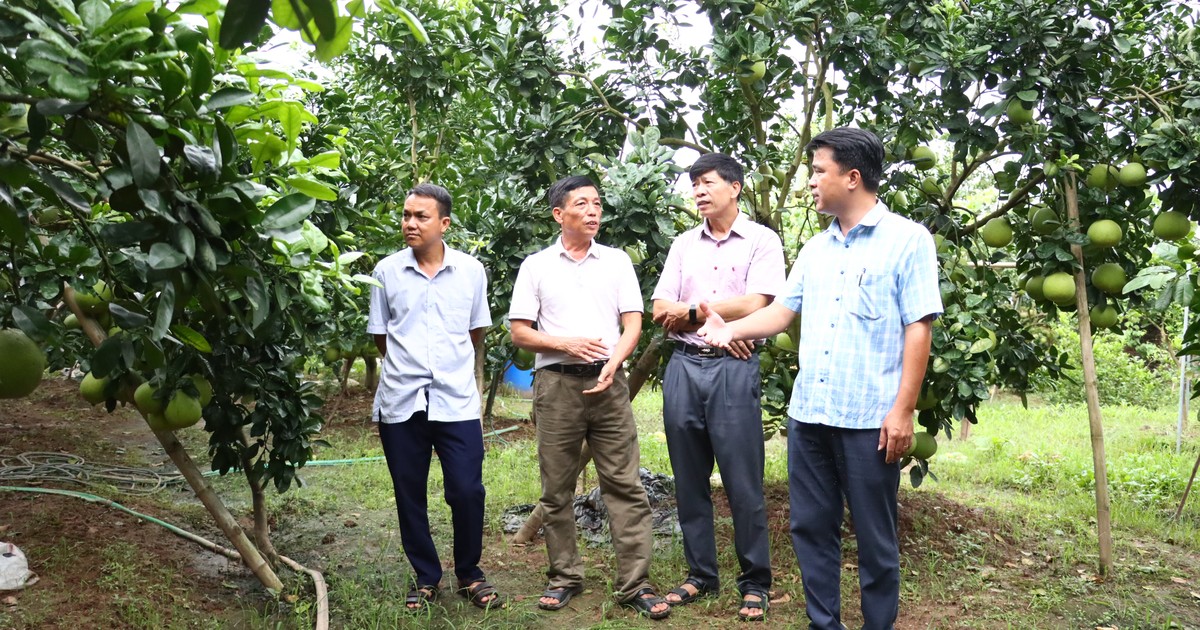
x=711 y=408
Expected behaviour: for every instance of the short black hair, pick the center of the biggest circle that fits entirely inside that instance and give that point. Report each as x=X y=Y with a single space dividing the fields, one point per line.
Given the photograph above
x=434 y=192
x=853 y=149
x=726 y=167
x=559 y=190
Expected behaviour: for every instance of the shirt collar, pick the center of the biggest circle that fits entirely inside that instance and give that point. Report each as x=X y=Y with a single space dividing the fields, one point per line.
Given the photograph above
x=871 y=219
x=408 y=259
x=738 y=226
x=560 y=250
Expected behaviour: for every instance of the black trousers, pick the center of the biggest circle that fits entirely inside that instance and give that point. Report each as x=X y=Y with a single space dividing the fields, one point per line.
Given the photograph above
x=408 y=447
x=826 y=466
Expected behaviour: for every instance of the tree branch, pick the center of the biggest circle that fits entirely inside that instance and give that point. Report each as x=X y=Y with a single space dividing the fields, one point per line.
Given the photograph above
x=1018 y=197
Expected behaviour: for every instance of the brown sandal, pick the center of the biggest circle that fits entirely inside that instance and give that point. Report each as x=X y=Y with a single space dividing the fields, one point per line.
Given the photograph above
x=422 y=596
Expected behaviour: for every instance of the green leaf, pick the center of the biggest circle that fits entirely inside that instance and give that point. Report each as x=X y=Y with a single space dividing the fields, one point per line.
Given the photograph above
x=64 y=192
x=166 y=308
x=414 y=23
x=313 y=188
x=199 y=7
x=313 y=237
x=32 y=322
x=365 y=279
x=981 y=345
x=349 y=257
x=144 y=161
x=191 y=338
x=125 y=318
x=288 y=211
x=126 y=234
x=202 y=75
x=94 y=14
x=329 y=49
x=228 y=97
x=287 y=14
x=71 y=86
x=242 y=22
x=163 y=256
x=324 y=14
x=11 y=224
x=107 y=357
x=201 y=159
x=327 y=159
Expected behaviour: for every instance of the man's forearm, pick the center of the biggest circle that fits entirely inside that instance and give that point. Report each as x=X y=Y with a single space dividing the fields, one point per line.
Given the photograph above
x=631 y=332
x=526 y=337
x=762 y=323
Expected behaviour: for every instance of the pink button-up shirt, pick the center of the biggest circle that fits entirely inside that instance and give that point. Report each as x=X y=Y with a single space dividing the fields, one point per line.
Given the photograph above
x=700 y=268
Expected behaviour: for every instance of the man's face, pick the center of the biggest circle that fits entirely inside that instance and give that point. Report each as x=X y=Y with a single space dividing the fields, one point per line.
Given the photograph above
x=714 y=196
x=422 y=225
x=580 y=213
x=830 y=185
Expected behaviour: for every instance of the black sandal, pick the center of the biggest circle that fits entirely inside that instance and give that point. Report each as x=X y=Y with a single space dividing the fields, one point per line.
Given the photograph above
x=762 y=604
x=562 y=594
x=422 y=596
x=477 y=593
x=645 y=605
x=702 y=590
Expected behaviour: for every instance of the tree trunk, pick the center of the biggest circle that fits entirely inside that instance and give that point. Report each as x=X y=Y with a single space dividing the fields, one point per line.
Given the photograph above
x=645 y=365
x=262 y=526
x=490 y=402
x=1091 y=389
x=372 y=377
x=345 y=375
x=179 y=456
x=534 y=522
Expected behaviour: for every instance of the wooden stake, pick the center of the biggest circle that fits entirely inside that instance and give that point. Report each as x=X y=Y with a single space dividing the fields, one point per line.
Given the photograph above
x=1091 y=389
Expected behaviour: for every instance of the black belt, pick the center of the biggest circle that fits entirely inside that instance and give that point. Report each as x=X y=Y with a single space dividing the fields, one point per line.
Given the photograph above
x=577 y=369
x=707 y=352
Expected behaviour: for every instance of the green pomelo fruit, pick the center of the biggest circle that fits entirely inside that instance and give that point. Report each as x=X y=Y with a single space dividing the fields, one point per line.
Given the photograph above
x=144 y=398
x=923 y=158
x=1018 y=114
x=1045 y=221
x=1034 y=286
x=1132 y=175
x=923 y=446
x=1109 y=278
x=784 y=341
x=203 y=388
x=182 y=411
x=1105 y=233
x=1103 y=316
x=92 y=389
x=22 y=365
x=997 y=233
x=1059 y=288
x=1172 y=225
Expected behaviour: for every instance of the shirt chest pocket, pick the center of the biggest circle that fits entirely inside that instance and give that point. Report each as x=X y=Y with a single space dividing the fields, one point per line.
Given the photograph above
x=871 y=295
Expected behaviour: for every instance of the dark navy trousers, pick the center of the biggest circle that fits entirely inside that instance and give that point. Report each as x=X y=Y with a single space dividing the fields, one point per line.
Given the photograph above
x=408 y=447
x=827 y=465
x=711 y=413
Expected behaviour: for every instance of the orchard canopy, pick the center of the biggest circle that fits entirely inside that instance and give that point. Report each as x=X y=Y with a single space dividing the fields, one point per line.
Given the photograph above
x=203 y=187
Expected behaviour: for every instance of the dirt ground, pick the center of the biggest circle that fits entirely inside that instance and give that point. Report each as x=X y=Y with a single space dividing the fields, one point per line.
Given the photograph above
x=102 y=568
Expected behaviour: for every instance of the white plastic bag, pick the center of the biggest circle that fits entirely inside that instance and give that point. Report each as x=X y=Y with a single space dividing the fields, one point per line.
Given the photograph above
x=14 y=568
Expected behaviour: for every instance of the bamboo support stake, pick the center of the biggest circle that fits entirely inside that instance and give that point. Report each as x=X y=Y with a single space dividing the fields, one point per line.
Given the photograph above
x=1091 y=390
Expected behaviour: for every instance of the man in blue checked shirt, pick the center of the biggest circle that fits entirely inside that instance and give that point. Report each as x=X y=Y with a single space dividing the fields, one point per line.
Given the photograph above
x=867 y=292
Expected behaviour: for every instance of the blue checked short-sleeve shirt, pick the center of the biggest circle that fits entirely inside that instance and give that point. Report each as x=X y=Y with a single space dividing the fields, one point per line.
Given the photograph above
x=855 y=294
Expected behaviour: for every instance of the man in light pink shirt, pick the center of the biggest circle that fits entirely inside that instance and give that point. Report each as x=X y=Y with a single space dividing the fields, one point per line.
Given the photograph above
x=711 y=408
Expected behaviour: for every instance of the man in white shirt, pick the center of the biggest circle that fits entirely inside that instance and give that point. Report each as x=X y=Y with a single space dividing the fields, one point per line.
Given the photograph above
x=586 y=302
x=426 y=320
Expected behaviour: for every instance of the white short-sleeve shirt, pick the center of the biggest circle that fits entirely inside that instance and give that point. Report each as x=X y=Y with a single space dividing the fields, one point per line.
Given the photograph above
x=430 y=360
x=570 y=298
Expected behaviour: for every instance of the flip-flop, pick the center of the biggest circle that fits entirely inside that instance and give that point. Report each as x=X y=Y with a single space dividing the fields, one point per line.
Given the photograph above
x=563 y=595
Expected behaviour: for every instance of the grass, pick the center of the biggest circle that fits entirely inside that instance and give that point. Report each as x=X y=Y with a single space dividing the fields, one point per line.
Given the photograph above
x=1004 y=537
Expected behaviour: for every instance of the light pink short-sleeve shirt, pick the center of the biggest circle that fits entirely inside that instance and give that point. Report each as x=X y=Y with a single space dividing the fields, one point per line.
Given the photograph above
x=570 y=298
x=700 y=268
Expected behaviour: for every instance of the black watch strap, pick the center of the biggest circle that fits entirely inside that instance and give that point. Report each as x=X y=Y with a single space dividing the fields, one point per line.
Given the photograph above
x=692 y=314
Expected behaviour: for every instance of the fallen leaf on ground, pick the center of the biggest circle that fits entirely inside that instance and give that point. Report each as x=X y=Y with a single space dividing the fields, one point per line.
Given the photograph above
x=1179 y=580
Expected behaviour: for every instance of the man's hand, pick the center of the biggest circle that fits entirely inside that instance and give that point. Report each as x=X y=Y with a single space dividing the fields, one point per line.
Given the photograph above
x=605 y=380
x=673 y=318
x=589 y=350
x=896 y=435
x=716 y=332
x=741 y=349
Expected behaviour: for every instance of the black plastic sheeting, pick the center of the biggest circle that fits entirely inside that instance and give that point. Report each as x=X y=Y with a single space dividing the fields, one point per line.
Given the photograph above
x=591 y=515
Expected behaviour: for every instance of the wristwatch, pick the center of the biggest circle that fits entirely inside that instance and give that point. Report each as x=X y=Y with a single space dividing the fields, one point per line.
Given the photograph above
x=692 y=314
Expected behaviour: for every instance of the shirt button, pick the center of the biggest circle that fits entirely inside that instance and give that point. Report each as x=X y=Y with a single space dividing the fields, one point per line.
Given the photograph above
x=831 y=325
x=847 y=245
x=837 y=299
x=826 y=352
x=822 y=380
x=843 y=273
